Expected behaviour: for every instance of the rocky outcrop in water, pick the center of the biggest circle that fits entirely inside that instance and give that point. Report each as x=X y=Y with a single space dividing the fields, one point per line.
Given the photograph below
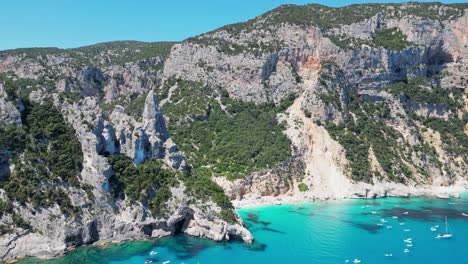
x=377 y=107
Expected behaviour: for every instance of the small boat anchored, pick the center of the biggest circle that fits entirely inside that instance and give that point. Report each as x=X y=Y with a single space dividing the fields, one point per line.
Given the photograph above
x=356 y=261
x=148 y=261
x=446 y=234
x=388 y=254
x=152 y=253
x=408 y=240
x=406 y=250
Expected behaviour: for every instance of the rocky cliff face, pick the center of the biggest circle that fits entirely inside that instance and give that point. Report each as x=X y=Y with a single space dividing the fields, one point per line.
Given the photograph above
x=289 y=104
x=95 y=104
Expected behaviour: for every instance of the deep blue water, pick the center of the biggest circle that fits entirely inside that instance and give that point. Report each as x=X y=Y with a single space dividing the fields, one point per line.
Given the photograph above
x=319 y=232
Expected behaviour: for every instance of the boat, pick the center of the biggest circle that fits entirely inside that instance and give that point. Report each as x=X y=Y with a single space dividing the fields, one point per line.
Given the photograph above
x=383 y=220
x=433 y=229
x=394 y=217
x=408 y=240
x=356 y=261
x=446 y=234
x=166 y=262
x=402 y=223
x=465 y=214
x=388 y=254
x=406 y=230
x=405 y=213
x=379 y=224
x=406 y=250
x=389 y=226
x=409 y=245
x=148 y=261
x=346 y=261
x=373 y=212
x=153 y=253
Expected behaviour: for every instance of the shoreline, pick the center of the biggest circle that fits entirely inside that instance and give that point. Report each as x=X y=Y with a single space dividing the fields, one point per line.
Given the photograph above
x=285 y=199
x=298 y=198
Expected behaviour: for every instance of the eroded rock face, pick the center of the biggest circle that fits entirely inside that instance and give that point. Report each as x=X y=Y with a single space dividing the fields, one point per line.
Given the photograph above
x=262 y=62
x=9 y=113
x=102 y=218
x=148 y=139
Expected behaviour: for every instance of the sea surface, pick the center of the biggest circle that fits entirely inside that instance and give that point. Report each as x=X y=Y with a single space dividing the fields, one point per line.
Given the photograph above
x=319 y=232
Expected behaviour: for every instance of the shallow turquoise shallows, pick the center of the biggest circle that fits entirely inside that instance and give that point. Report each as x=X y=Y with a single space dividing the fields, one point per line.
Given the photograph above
x=320 y=232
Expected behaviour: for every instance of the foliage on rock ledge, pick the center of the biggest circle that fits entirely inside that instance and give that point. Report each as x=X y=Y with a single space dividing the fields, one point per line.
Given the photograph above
x=236 y=138
x=46 y=154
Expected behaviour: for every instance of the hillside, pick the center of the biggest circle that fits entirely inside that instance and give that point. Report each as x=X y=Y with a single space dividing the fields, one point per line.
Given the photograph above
x=131 y=140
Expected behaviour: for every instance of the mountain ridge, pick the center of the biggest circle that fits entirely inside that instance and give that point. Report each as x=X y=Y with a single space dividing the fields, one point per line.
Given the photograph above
x=174 y=134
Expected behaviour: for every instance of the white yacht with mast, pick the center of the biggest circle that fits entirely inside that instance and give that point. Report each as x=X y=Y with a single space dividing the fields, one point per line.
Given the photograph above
x=446 y=234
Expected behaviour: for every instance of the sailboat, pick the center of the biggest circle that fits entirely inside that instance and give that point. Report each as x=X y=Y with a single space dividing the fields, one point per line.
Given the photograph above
x=446 y=234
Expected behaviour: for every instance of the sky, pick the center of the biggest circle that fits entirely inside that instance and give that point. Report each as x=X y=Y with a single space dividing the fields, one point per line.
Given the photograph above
x=74 y=23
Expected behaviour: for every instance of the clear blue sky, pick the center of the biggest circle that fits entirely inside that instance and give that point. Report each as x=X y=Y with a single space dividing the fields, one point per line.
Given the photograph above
x=73 y=23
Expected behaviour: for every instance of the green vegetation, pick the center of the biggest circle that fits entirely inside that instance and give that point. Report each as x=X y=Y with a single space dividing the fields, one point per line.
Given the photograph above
x=452 y=134
x=428 y=90
x=117 y=52
x=21 y=87
x=147 y=183
x=232 y=48
x=189 y=99
x=236 y=141
x=71 y=97
x=199 y=184
x=365 y=129
x=303 y=187
x=329 y=17
x=135 y=107
x=50 y=156
x=228 y=216
x=126 y=51
x=390 y=38
x=419 y=90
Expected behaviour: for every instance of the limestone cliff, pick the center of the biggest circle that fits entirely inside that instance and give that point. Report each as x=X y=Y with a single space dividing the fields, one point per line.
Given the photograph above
x=291 y=104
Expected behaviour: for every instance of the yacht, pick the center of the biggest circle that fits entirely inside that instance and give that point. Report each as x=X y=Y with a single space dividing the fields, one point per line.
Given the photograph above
x=446 y=234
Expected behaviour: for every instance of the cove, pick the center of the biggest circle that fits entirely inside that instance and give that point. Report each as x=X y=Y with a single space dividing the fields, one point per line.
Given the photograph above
x=318 y=232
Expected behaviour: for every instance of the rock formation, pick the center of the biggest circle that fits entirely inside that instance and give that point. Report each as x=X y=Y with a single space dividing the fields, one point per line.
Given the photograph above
x=377 y=107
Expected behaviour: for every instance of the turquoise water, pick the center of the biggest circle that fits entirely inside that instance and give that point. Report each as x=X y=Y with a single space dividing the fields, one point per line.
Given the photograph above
x=320 y=232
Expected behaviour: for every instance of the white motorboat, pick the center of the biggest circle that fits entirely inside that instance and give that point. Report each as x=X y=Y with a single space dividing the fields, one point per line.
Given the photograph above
x=408 y=240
